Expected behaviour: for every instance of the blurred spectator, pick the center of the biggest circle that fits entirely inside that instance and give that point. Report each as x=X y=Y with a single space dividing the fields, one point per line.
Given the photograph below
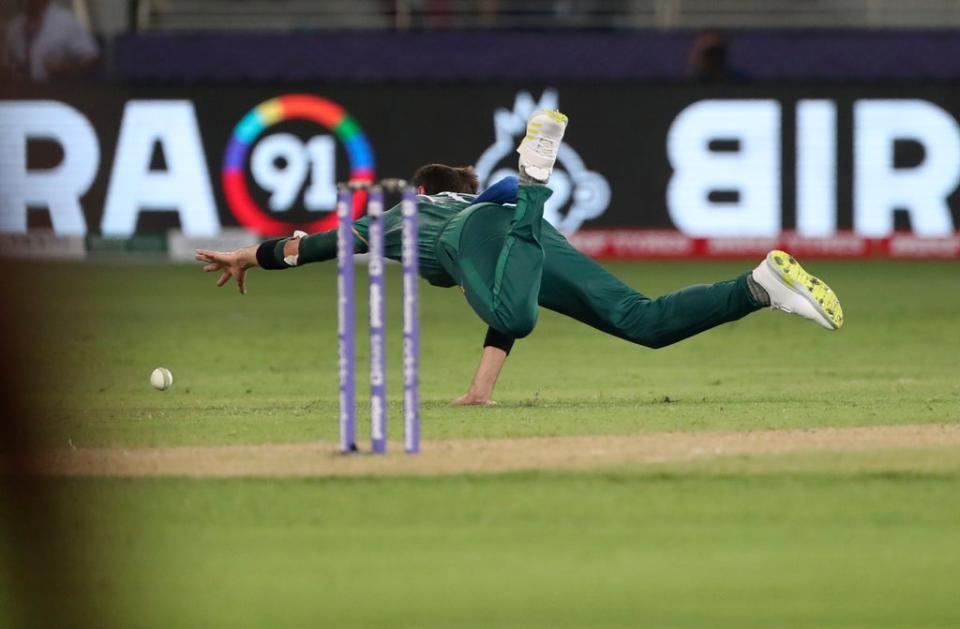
x=489 y=12
x=709 y=60
x=438 y=13
x=47 y=42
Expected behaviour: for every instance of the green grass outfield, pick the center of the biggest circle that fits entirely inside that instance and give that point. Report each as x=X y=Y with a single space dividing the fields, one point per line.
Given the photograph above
x=521 y=550
x=262 y=368
x=864 y=539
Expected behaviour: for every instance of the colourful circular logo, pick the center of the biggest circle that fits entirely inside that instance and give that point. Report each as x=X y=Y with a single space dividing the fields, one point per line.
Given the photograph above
x=291 y=107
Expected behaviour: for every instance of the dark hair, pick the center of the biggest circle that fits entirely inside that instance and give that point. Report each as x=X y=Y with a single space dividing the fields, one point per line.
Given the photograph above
x=436 y=178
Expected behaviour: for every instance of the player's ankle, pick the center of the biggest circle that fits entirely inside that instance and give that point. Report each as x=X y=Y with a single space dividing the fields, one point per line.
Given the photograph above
x=528 y=180
x=757 y=293
x=535 y=176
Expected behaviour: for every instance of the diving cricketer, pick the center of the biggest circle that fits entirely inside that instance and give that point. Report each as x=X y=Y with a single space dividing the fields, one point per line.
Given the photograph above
x=508 y=260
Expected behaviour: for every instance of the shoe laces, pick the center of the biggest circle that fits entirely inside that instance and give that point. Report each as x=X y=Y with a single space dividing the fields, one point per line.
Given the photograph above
x=545 y=146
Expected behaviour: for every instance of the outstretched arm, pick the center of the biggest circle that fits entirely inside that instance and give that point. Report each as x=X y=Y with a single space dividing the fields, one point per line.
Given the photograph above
x=497 y=345
x=496 y=348
x=280 y=253
x=230 y=264
x=481 y=388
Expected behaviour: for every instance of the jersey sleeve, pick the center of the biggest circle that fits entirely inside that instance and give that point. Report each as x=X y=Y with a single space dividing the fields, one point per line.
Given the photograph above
x=317 y=247
x=498 y=339
x=322 y=246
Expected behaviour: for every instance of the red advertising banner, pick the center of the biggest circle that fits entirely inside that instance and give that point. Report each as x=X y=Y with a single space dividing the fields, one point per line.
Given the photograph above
x=654 y=244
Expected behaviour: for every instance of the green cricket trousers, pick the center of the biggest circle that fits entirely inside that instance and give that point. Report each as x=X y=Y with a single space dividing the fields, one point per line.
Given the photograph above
x=508 y=261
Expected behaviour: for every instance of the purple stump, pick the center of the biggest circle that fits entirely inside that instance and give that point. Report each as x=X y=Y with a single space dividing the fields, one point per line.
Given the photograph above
x=411 y=324
x=345 y=323
x=378 y=350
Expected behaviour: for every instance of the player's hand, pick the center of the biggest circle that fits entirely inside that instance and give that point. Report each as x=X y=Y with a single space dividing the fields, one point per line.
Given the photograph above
x=472 y=400
x=229 y=263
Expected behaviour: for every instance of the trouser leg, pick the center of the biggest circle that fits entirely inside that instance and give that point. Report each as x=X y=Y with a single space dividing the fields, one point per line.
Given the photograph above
x=579 y=287
x=498 y=260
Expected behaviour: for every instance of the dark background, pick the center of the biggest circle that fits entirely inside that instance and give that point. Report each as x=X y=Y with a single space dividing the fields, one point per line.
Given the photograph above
x=619 y=130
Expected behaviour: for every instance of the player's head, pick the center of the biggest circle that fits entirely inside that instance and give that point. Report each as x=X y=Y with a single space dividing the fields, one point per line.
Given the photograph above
x=437 y=178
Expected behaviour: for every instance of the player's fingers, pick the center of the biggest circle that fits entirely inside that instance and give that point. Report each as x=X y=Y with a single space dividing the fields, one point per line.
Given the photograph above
x=214 y=266
x=223 y=278
x=204 y=255
x=242 y=282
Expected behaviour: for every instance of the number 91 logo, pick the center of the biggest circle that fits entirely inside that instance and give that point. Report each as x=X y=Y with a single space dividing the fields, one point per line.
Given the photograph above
x=281 y=164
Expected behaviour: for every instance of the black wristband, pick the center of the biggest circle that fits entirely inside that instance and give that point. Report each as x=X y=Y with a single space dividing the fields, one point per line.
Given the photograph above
x=498 y=339
x=266 y=257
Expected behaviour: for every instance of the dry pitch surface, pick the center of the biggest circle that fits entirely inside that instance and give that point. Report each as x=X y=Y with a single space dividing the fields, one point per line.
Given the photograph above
x=481 y=456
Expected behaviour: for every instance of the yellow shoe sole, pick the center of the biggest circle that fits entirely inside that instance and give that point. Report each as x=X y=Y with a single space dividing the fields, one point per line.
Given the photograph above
x=533 y=127
x=813 y=288
x=556 y=115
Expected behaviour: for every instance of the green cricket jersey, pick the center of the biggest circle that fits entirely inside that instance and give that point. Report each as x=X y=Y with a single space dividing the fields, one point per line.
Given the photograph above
x=509 y=261
x=433 y=214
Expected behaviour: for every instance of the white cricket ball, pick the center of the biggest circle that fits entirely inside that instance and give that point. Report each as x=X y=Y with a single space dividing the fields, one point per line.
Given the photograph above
x=161 y=379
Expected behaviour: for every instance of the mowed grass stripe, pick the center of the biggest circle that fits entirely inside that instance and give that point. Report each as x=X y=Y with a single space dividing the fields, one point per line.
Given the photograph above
x=517 y=550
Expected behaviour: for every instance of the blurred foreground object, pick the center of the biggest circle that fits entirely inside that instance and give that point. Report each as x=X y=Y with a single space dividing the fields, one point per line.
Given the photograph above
x=46 y=41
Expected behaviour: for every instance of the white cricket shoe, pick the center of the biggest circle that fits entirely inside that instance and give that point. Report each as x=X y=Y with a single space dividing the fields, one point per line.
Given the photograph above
x=793 y=290
x=538 y=150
